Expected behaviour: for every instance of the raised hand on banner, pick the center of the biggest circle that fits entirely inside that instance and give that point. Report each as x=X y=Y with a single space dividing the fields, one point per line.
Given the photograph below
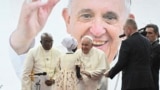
x=33 y=17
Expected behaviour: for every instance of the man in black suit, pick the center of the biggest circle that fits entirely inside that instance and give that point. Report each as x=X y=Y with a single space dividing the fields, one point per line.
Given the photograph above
x=152 y=33
x=133 y=60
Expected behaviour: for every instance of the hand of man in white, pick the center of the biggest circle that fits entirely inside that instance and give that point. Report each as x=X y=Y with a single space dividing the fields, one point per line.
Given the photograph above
x=86 y=73
x=106 y=73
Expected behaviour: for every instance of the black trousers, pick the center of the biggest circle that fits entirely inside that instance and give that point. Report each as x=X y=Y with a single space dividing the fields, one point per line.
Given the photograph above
x=141 y=89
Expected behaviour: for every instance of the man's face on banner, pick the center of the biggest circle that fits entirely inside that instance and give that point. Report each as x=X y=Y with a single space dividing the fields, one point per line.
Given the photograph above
x=101 y=19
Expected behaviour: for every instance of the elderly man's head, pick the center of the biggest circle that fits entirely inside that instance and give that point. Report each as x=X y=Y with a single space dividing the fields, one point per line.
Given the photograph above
x=86 y=44
x=46 y=41
x=103 y=20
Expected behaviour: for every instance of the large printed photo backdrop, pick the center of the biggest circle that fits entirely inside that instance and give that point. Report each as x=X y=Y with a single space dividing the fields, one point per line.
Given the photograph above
x=145 y=11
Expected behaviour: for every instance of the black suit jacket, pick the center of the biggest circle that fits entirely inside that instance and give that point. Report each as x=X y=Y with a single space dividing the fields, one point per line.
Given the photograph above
x=134 y=63
x=155 y=63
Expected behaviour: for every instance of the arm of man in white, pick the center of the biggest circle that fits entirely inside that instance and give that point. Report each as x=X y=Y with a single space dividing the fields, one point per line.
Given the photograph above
x=101 y=67
x=96 y=74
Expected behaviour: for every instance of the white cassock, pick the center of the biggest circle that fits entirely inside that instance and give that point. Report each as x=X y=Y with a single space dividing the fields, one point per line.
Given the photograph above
x=39 y=60
x=95 y=63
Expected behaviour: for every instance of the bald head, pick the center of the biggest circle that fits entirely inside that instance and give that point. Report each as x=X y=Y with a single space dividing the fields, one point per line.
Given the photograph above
x=131 y=23
x=130 y=27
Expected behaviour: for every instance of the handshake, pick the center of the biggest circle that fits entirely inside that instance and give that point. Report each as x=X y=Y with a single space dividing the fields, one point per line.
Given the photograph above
x=106 y=74
x=79 y=72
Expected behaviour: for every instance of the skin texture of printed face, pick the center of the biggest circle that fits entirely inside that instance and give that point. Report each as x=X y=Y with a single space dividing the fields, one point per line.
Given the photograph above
x=103 y=20
x=151 y=35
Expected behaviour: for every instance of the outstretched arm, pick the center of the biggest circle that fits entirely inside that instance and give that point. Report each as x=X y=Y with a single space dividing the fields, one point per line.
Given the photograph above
x=32 y=19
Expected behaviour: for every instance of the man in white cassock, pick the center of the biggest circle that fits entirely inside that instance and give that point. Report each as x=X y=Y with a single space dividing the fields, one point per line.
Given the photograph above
x=41 y=59
x=93 y=66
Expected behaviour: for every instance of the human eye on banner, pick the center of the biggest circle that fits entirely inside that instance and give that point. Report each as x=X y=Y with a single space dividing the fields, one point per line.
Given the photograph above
x=24 y=21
